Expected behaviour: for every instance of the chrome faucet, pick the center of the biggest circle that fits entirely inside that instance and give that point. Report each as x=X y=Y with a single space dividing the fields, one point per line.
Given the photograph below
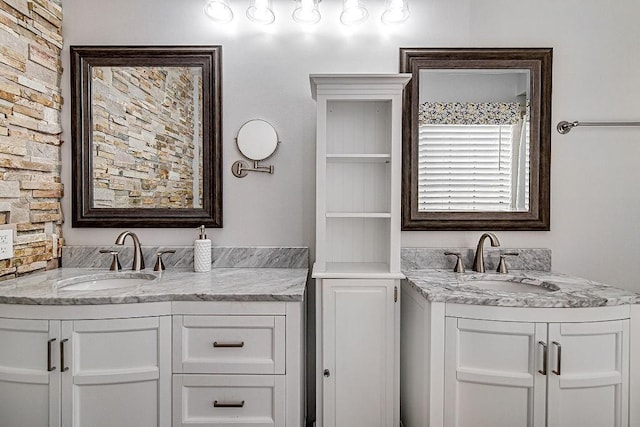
x=138 y=258
x=478 y=261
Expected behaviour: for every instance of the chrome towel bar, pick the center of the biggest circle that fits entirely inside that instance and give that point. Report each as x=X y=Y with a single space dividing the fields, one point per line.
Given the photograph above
x=565 y=127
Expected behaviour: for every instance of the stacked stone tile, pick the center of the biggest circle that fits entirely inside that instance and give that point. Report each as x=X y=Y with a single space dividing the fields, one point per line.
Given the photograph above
x=30 y=103
x=144 y=129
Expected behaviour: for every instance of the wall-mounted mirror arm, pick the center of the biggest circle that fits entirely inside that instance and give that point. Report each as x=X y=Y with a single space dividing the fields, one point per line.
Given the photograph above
x=240 y=168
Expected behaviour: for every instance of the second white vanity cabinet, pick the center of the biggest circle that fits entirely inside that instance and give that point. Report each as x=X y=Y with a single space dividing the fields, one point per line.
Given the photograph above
x=85 y=372
x=506 y=373
x=466 y=365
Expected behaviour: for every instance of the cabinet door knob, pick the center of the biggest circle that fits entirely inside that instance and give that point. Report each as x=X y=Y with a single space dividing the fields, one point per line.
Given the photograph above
x=326 y=373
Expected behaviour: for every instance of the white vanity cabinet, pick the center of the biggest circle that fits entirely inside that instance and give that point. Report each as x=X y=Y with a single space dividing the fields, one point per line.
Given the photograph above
x=235 y=363
x=505 y=373
x=511 y=366
x=357 y=269
x=85 y=372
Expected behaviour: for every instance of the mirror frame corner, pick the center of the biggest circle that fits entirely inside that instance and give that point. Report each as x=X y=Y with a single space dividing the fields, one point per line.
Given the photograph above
x=82 y=59
x=539 y=62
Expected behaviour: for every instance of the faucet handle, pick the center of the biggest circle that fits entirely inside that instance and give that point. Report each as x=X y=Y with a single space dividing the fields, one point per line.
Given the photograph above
x=115 y=262
x=159 y=264
x=459 y=268
x=502 y=265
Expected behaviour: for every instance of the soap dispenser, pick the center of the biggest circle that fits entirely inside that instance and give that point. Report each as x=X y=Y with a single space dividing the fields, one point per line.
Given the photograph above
x=202 y=252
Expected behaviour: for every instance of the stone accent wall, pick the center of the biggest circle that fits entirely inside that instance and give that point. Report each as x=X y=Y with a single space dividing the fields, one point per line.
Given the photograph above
x=30 y=103
x=143 y=132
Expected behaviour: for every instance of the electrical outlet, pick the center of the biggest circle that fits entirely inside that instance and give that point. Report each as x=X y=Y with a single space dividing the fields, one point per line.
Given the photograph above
x=6 y=244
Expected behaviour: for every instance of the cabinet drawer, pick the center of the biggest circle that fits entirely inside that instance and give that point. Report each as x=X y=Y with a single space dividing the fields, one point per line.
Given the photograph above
x=229 y=344
x=229 y=400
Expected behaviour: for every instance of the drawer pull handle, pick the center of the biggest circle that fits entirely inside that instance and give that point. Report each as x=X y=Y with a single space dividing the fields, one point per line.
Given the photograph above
x=217 y=344
x=558 y=358
x=62 y=367
x=217 y=404
x=49 y=354
x=543 y=371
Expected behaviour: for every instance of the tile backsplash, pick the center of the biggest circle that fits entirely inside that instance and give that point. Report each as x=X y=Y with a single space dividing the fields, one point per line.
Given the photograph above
x=527 y=259
x=221 y=256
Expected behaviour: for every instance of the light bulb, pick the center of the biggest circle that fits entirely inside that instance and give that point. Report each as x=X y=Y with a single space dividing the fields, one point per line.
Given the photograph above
x=396 y=11
x=306 y=12
x=218 y=11
x=260 y=11
x=353 y=12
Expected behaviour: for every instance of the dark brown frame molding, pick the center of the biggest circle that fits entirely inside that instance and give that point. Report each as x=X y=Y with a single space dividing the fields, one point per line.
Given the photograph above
x=539 y=62
x=208 y=58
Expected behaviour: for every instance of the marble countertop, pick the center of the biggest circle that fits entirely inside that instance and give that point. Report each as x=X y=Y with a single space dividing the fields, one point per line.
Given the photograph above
x=220 y=284
x=439 y=285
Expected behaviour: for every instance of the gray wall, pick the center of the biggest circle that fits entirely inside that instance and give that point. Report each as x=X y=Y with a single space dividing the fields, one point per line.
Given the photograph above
x=595 y=180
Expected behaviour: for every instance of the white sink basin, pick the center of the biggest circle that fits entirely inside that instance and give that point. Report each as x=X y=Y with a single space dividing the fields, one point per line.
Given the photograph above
x=101 y=281
x=513 y=287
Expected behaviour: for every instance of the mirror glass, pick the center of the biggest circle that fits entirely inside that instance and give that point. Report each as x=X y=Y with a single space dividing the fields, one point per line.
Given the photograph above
x=476 y=139
x=473 y=140
x=146 y=136
x=257 y=139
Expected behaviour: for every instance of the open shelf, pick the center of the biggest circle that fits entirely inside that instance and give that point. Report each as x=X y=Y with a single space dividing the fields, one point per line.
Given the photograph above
x=358 y=187
x=358 y=126
x=358 y=215
x=358 y=158
x=358 y=166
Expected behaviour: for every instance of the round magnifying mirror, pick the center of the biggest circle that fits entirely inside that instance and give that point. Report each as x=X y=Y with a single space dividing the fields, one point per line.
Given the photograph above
x=257 y=139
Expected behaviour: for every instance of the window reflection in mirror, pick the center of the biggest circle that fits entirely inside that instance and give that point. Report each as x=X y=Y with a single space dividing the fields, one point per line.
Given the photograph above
x=476 y=141
x=473 y=140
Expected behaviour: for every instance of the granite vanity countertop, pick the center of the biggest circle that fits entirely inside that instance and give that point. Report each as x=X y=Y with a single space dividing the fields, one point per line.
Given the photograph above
x=220 y=284
x=439 y=285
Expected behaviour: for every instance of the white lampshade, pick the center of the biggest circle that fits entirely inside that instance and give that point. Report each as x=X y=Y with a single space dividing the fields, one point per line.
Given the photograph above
x=306 y=12
x=218 y=11
x=396 y=11
x=261 y=11
x=353 y=12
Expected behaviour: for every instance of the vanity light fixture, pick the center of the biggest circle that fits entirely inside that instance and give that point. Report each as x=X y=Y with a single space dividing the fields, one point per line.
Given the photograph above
x=306 y=12
x=353 y=12
x=395 y=12
x=261 y=11
x=219 y=11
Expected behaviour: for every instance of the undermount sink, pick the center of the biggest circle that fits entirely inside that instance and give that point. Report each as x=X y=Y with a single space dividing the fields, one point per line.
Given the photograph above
x=513 y=286
x=101 y=281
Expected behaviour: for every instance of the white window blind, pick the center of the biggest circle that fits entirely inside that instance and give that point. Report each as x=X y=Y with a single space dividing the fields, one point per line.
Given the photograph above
x=465 y=167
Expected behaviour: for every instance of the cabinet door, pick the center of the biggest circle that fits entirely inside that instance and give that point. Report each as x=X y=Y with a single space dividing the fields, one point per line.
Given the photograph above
x=588 y=383
x=491 y=373
x=119 y=372
x=29 y=391
x=359 y=330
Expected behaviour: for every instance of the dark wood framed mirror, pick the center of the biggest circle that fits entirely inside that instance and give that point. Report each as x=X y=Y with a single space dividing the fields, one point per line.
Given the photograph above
x=146 y=130
x=476 y=138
